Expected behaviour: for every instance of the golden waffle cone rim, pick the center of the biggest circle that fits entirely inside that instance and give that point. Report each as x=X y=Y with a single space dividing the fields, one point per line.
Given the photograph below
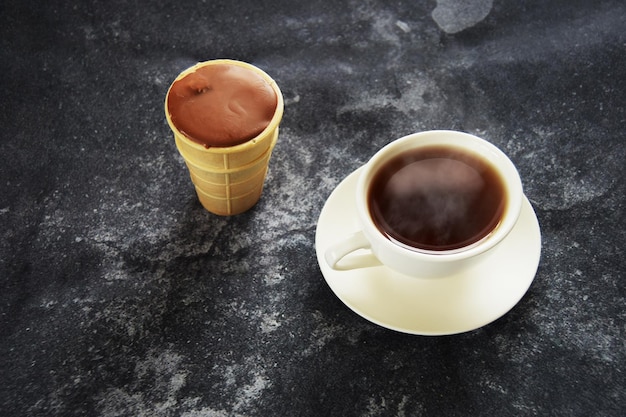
x=213 y=161
x=222 y=177
x=263 y=156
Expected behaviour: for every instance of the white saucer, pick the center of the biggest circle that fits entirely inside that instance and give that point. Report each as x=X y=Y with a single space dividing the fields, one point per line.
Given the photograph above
x=424 y=306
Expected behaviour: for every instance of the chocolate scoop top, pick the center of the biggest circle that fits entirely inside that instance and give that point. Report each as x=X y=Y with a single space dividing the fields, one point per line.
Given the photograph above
x=221 y=105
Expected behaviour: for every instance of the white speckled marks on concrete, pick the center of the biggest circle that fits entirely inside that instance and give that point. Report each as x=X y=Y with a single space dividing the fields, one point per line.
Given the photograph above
x=453 y=16
x=164 y=371
x=122 y=296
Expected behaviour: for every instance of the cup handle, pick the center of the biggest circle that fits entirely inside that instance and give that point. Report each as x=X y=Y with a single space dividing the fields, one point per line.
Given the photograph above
x=338 y=251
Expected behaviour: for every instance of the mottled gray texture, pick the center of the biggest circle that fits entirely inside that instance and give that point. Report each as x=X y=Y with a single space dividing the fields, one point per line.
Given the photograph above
x=453 y=16
x=121 y=296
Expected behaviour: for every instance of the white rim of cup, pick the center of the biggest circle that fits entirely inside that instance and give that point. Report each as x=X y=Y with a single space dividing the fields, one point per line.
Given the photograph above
x=456 y=139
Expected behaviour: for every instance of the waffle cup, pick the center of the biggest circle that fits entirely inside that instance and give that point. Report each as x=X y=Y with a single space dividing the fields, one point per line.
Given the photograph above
x=229 y=180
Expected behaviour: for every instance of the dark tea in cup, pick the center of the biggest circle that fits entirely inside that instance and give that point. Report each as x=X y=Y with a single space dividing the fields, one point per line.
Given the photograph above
x=436 y=198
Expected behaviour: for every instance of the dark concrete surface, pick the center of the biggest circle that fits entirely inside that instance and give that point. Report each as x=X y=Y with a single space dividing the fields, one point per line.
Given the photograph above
x=121 y=296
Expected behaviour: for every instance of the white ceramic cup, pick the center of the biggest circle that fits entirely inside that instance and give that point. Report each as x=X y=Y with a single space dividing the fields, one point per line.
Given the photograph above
x=415 y=262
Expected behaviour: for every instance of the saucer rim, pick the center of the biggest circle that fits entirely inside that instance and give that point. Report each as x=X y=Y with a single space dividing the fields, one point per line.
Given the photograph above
x=532 y=254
